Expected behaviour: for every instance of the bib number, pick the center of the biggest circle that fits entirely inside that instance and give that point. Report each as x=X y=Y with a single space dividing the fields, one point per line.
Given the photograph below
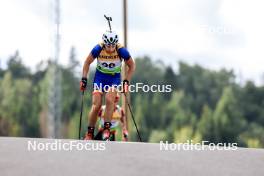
x=110 y=65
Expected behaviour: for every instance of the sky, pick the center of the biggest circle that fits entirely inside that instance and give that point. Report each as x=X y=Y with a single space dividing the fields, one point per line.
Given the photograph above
x=213 y=33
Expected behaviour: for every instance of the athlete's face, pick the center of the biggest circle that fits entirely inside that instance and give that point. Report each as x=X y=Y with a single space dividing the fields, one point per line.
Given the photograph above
x=110 y=48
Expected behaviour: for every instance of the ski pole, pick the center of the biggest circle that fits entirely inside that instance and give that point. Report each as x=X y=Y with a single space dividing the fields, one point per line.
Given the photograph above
x=108 y=19
x=80 y=124
x=132 y=115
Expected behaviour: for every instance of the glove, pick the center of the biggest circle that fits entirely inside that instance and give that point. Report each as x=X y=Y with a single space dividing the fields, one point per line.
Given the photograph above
x=125 y=135
x=125 y=86
x=83 y=84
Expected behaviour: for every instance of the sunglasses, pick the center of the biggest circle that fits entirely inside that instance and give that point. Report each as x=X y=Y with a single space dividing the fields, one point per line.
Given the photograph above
x=110 y=45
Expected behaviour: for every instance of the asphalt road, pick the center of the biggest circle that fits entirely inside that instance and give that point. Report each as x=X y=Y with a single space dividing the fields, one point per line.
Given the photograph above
x=18 y=157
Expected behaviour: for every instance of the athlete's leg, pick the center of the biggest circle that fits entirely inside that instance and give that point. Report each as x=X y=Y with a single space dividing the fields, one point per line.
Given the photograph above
x=109 y=109
x=96 y=106
x=110 y=103
x=97 y=100
x=110 y=96
x=92 y=116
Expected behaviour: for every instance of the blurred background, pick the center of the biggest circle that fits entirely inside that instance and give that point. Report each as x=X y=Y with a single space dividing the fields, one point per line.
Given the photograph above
x=209 y=51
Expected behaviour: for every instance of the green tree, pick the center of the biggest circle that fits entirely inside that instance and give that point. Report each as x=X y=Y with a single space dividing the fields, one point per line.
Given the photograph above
x=16 y=67
x=157 y=135
x=228 y=121
x=205 y=125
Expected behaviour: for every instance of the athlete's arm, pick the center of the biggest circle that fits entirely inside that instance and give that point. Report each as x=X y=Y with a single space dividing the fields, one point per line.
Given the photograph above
x=124 y=126
x=131 y=68
x=123 y=121
x=87 y=64
x=123 y=52
x=90 y=58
